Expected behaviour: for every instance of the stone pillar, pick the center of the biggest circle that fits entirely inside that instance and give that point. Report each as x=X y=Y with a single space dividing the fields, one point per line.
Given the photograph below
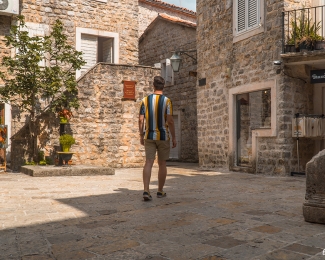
x=314 y=206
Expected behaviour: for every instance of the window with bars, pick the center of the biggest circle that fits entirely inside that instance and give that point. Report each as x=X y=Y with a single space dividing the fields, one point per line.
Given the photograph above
x=248 y=17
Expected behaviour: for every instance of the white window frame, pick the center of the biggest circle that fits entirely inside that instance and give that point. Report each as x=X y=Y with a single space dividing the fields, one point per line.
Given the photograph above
x=249 y=32
x=167 y=72
x=115 y=36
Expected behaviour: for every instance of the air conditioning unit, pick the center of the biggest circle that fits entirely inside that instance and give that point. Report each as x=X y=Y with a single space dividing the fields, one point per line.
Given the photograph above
x=9 y=7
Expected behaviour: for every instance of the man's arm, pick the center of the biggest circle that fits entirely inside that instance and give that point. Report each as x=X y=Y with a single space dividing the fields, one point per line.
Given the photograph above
x=141 y=124
x=171 y=125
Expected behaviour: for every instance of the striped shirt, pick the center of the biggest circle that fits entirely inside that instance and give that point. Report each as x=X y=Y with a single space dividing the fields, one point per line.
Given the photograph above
x=155 y=109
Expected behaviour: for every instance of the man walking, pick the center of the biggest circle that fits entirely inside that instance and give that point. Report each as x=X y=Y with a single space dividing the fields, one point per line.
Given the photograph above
x=157 y=110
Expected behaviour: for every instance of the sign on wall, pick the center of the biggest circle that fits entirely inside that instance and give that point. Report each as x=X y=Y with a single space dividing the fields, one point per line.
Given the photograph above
x=317 y=76
x=129 y=89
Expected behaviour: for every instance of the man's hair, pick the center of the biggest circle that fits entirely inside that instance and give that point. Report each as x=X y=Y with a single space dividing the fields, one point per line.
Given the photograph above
x=159 y=83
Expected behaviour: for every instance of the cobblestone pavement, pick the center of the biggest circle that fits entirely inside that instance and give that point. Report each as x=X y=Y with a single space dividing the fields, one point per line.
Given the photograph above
x=207 y=215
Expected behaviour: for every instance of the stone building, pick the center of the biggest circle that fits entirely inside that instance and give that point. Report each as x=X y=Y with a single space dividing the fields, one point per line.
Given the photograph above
x=163 y=36
x=249 y=89
x=107 y=32
x=150 y=9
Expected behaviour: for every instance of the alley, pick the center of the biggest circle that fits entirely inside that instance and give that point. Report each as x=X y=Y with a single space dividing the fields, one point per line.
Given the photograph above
x=206 y=215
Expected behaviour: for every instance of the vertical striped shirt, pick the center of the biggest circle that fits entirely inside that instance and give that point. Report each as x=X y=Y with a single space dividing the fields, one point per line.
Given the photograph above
x=155 y=109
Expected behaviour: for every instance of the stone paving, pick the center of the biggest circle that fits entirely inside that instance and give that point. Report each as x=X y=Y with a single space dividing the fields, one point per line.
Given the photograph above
x=207 y=215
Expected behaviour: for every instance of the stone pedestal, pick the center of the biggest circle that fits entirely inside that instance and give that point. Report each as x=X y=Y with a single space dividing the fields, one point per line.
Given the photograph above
x=314 y=206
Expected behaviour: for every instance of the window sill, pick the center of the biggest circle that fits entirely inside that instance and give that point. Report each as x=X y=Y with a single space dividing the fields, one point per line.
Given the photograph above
x=248 y=34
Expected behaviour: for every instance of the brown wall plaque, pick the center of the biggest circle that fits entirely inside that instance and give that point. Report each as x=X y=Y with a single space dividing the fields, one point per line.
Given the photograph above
x=129 y=89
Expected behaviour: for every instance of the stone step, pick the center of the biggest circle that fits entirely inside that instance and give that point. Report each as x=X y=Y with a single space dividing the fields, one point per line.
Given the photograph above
x=74 y=170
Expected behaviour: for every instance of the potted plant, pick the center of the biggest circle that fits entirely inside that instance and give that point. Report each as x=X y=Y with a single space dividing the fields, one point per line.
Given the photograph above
x=65 y=115
x=66 y=141
x=304 y=32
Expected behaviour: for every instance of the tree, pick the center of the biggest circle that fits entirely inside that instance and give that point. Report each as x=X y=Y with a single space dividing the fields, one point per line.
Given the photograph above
x=35 y=88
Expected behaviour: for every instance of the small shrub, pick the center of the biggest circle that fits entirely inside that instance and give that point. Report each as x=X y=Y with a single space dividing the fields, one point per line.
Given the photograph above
x=49 y=160
x=30 y=163
x=42 y=163
x=67 y=139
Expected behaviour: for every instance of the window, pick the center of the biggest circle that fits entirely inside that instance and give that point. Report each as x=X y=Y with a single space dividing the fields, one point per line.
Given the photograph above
x=248 y=18
x=97 y=46
x=96 y=49
x=167 y=72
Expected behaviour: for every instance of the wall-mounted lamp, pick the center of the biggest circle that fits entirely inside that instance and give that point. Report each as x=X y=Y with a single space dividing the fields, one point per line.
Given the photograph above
x=176 y=60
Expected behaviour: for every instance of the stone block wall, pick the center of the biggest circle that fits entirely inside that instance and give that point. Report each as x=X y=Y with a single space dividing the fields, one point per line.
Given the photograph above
x=156 y=46
x=5 y=23
x=105 y=126
x=149 y=10
x=113 y=16
x=227 y=65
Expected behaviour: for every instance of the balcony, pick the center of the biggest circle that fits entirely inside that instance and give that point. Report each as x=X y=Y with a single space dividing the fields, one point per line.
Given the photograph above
x=303 y=35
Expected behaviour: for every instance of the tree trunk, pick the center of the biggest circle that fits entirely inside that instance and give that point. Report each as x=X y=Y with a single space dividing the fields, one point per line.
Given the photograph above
x=33 y=137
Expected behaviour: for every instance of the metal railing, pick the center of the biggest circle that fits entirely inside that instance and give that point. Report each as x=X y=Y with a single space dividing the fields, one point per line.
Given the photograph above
x=303 y=29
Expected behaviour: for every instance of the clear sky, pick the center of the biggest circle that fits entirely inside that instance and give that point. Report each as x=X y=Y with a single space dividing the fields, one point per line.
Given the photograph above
x=189 y=4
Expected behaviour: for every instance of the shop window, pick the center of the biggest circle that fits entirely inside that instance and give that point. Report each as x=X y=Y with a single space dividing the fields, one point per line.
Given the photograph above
x=167 y=72
x=253 y=112
x=248 y=18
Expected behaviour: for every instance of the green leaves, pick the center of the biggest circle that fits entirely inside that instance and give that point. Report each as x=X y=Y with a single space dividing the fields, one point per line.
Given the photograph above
x=42 y=68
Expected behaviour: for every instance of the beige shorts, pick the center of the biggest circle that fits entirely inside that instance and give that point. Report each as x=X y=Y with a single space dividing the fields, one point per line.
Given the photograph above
x=163 y=148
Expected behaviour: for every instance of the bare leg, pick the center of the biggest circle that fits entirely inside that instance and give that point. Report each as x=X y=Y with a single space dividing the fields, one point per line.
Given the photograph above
x=162 y=174
x=147 y=173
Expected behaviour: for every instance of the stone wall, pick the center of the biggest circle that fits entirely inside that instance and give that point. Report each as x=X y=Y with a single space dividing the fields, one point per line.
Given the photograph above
x=149 y=10
x=226 y=65
x=5 y=22
x=114 y=16
x=155 y=46
x=105 y=126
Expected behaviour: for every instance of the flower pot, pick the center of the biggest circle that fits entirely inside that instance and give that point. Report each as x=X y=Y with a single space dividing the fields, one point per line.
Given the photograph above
x=320 y=45
x=66 y=148
x=290 y=48
x=305 y=46
x=63 y=120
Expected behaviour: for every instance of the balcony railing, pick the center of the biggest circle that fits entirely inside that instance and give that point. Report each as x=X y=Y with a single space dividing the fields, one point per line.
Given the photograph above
x=303 y=29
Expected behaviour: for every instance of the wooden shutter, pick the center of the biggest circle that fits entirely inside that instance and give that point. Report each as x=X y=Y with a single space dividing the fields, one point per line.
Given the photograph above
x=253 y=14
x=89 y=44
x=169 y=78
x=241 y=15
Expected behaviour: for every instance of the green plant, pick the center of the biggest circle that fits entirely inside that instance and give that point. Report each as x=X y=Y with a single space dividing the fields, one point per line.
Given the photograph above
x=67 y=140
x=41 y=156
x=42 y=163
x=49 y=160
x=43 y=68
x=30 y=163
x=303 y=30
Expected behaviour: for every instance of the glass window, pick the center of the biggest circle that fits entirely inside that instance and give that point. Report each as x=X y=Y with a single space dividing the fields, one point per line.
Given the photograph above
x=253 y=112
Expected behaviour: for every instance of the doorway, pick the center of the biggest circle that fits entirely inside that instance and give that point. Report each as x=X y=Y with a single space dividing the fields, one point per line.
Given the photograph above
x=253 y=111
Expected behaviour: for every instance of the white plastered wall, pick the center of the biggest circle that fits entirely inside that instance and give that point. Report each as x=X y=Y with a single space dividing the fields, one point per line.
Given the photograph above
x=270 y=132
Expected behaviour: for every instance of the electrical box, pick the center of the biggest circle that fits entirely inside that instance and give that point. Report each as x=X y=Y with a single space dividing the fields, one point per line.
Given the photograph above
x=9 y=7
